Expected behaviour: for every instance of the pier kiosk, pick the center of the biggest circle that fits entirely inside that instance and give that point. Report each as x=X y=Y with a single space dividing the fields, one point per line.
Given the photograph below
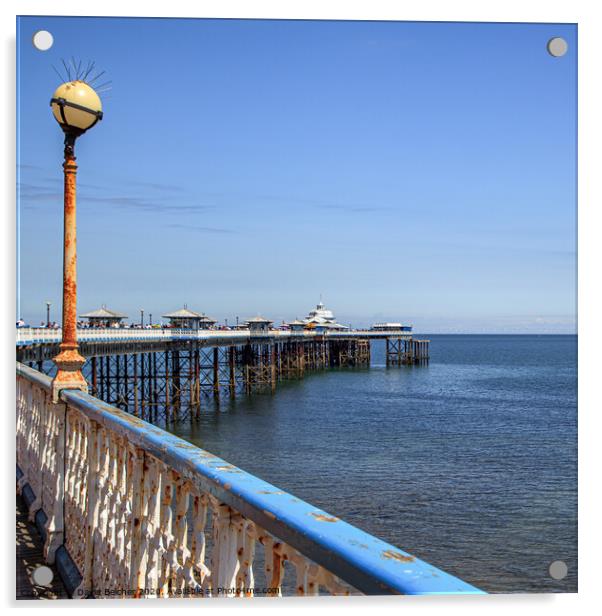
x=189 y=319
x=297 y=325
x=259 y=325
x=103 y=317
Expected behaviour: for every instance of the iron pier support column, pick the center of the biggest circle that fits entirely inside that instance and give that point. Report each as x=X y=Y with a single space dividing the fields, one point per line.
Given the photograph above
x=94 y=378
x=216 y=373
x=136 y=404
x=232 y=369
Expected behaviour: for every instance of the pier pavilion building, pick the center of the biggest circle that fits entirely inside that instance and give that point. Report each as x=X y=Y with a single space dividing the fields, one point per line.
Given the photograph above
x=103 y=317
x=258 y=324
x=189 y=319
x=320 y=318
x=391 y=327
x=297 y=325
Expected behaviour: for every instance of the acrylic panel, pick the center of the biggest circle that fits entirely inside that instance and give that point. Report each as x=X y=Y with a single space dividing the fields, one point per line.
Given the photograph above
x=296 y=308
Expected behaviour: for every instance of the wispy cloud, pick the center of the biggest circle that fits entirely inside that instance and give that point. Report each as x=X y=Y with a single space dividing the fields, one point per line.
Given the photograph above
x=27 y=188
x=146 y=205
x=197 y=229
x=32 y=194
x=157 y=186
x=59 y=181
x=496 y=247
x=122 y=184
x=240 y=197
x=354 y=209
x=35 y=196
x=151 y=202
x=29 y=167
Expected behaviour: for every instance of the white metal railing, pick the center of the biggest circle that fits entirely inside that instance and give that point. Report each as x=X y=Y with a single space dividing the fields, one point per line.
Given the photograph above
x=32 y=335
x=142 y=513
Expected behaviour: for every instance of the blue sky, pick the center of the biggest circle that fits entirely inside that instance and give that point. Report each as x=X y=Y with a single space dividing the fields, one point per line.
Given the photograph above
x=422 y=172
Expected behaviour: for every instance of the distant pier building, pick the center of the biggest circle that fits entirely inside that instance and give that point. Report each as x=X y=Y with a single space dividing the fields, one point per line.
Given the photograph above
x=321 y=319
x=258 y=324
x=103 y=317
x=189 y=319
x=297 y=325
x=391 y=327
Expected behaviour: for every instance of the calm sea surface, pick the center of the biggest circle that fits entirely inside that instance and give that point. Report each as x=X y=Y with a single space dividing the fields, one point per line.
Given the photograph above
x=469 y=463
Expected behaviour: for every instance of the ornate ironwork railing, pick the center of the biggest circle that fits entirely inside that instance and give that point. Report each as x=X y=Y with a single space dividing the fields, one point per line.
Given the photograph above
x=127 y=509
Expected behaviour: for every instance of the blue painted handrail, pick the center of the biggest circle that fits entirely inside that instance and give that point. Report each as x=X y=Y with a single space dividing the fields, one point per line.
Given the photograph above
x=360 y=559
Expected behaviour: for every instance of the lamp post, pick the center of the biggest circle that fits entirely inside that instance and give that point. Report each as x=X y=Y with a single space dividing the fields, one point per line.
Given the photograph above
x=150 y=319
x=142 y=317
x=48 y=304
x=77 y=108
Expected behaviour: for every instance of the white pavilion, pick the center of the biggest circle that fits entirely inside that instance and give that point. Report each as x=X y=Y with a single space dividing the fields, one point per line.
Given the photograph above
x=318 y=318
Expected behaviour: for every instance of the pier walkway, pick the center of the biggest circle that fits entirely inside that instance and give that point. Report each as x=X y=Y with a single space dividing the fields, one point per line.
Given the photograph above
x=41 y=335
x=30 y=555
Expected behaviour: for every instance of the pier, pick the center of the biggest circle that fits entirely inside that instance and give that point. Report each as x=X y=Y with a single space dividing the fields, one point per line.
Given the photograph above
x=169 y=374
x=126 y=509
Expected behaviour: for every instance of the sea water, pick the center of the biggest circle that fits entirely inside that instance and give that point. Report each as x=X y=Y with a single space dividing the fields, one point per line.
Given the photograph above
x=469 y=462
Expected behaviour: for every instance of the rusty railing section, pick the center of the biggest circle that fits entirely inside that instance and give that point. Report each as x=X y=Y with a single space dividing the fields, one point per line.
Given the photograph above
x=133 y=511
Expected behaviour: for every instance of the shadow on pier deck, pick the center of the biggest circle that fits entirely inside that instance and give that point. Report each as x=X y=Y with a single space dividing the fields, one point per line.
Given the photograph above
x=29 y=557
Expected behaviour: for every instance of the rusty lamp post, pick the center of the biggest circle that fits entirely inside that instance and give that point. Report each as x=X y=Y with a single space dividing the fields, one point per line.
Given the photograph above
x=77 y=108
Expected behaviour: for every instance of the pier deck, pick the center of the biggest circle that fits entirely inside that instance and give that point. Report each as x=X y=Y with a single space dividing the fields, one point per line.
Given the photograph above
x=29 y=554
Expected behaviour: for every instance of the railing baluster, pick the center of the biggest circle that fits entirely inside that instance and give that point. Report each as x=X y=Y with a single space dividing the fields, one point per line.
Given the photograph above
x=225 y=563
x=246 y=550
x=181 y=536
x=277 y=567
x=36 y=440
x=195 y=563
x=102 y=489
x=105 y=565
x=152 y=524
x=136 y=553
x=55 y=525
x=120 y=570
x=166 y=526
x=91 y=507
x=75 y=496
x=302 y=567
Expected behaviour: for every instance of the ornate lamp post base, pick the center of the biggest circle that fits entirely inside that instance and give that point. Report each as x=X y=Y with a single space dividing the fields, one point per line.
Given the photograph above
x=69 y=375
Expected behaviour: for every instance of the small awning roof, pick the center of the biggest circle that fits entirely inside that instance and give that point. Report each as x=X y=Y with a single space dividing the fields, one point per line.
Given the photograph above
x=328 y=325
x=258 y=319
x=185 y=313
x=103 y=313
